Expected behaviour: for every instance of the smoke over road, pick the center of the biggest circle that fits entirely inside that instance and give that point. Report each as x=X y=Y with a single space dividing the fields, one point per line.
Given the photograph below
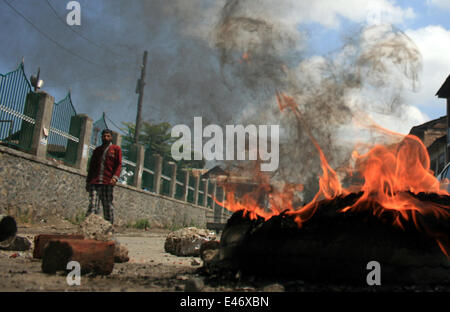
x=224 y=61
x=365 y=78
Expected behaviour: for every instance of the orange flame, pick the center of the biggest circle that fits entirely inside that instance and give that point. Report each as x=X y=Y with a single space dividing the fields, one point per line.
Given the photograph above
x=392 y=174
x=254 y=203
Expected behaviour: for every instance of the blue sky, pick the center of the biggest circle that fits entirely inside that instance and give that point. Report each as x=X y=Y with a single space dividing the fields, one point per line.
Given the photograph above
x=429 y=20
x=182 y=64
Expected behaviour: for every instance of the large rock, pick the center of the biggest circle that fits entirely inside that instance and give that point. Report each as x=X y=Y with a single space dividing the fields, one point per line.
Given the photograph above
x=120 y=253
x=187 y=241
x=97 y=228
x=194 y=285
x=19 y=243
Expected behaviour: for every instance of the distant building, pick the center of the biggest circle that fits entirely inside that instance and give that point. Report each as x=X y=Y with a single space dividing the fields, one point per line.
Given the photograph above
x=433 y=136
x=444 y=93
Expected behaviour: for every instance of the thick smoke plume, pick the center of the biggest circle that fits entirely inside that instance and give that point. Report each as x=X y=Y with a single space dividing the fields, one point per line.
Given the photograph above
x=336 y=95
x=224 y=61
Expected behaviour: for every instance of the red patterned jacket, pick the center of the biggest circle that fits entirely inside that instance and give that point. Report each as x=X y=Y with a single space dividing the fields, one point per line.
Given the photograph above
x=105 y=163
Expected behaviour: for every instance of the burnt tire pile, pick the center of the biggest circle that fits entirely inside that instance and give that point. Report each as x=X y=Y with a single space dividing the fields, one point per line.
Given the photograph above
x=335 y=247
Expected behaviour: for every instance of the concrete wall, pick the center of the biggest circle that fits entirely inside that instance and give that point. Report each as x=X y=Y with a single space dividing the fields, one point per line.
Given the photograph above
x=36 y=188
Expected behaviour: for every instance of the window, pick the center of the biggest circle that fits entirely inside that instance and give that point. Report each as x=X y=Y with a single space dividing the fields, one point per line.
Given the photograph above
x=441 y=162
x=447 y=174
x=433 y=166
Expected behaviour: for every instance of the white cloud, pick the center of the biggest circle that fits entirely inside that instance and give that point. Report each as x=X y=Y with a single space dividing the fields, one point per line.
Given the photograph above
x=434 y=44
x=445 y=4
x=292 y=13
x=411 y=117
x=328 y=12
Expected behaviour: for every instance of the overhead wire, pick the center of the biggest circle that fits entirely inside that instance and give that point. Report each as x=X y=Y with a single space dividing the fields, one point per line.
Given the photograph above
x=49 y=37
x=115 y=125
x=79 y=34
x=90 y=78
x=54 y=41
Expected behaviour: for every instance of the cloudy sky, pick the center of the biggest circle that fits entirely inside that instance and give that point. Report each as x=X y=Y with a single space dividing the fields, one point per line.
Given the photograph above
x=99 y=61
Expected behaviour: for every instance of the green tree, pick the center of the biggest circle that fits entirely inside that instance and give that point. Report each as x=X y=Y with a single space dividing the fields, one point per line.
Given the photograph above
x=157 y=139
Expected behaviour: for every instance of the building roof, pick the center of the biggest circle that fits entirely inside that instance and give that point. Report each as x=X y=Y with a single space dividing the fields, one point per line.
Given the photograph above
x=430 y=131
x=214 y=172
x=444 y=91
x=435 y=123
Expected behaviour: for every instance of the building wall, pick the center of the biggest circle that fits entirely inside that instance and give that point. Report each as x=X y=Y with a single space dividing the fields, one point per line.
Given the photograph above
x=437 y=158
x=433 y=136
x=38 y=188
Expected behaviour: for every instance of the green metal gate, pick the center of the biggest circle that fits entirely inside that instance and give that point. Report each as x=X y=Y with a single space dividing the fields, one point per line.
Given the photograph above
x=18 y=108
x=64 y=134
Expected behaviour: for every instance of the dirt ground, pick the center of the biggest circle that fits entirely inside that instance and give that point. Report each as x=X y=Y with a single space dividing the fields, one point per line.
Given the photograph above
x=150 y=268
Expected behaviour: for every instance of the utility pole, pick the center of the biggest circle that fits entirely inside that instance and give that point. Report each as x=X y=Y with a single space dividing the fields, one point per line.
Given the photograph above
x=140 y=91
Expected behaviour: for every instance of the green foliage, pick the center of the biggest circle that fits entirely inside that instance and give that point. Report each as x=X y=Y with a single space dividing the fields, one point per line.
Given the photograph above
x=23 y=218
x=154 y=137
x=142 y=224
x=187 y=222
x=78 y=218
x=157 y=139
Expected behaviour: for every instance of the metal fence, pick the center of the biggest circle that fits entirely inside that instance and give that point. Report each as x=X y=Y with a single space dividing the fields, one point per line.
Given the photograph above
x=149 y=171
x=166 y=177
x=191 y=188
x=17 y=110
x=97 y=128
x=129 y=162
x=179 y=184
x=96 y=137
x=64 y=134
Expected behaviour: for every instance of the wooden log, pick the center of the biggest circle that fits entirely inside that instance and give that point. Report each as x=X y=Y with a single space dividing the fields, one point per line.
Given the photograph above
x=95 y=257
x=40 y=242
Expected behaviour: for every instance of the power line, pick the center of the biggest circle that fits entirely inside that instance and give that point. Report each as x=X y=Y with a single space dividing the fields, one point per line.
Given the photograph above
x=79 y=34
x=48 y=37
x=120 y=129
x=87 y=79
